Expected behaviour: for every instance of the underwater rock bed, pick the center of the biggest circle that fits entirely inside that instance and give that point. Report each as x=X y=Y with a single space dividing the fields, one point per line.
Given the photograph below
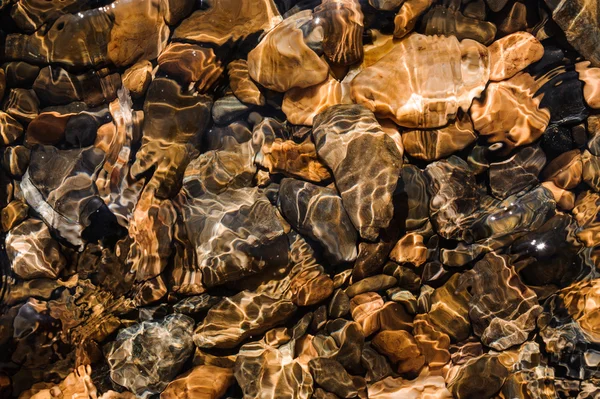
x=279 y=199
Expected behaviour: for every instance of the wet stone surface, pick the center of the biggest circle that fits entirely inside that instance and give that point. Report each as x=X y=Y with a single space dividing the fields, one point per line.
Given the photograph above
x=283 y=199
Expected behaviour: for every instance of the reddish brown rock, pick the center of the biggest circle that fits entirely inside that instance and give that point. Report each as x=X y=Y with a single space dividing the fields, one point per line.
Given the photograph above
x=201 y=382
x=408 y=15
x=302 y=105
x=510 y=114
x=10 y=129
x=275 y=67
x=410 y=249
x=414 y=100
x=242 y=86
x=591 y=78
x=401 y=348
x=434 y=144
x=229 y=20
x=190 y=64
x=512 y=54
x=365 y=311
x=33 y=252
x=565 y=171
x=137 y=78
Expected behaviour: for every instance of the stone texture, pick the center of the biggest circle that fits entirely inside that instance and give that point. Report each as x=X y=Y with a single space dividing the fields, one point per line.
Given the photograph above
x=318 y=213
x=236 y=318
x=411 y=63
x=230 y=20
x=510 y=114
x=202 y=382
x=279 y=70
x=145 y=357
x=342 y=134
x=32 y=251
x=513 y=53
x=332 y=376
x=578 y=19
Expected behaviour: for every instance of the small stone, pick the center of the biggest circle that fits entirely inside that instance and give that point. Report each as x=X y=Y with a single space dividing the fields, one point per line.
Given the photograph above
x=137 y=78
x=22 y=104
x=591 y=88
x=577 y=18
x=408 y=15
x=145 y=357
x=565 y=171
x=339 y=306
x=190 y=64
x=434 y=144
x=365 y=311
x=513 y=53
x=282 y=70
x=481 y=377
x=228 y=108
x=386 y=5
x=33 y=252
x=565 y=199
x=425 y=386
x=379 y=282
x=518 y=172
x=354 y=128
x=301 y=105
x=318 y=212
x=410 y=249
x=401 y=348
x=441 y=20
x=234 y=319
x=332 y=376
x=510 y=114
x=10 y=129
x=242 y=86
x=201 y=382
x=230 y=20
x=450 y=311
x=13 y=214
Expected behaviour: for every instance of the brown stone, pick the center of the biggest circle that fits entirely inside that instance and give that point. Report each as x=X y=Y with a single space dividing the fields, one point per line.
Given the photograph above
x=301 y=105
x=401 y=348
x=10 y=129
x=342 y=23
x=433 y=343
x=591 y=78
x=410 y=65
x=408 y=15
x=190 y=63
x=138 y=32
x=410 y=249
x=365 y=311
x=228 y=20
x=242 y=86
x=512 y=54
x=137 y=78
x=434 y=144
x=510 y=114
x=565 y=171
x=275 y=67
x=22 y=104
x=13 y=214
x=565 y=199
x=201 y=382
x=293 y=159
x=33 y=252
